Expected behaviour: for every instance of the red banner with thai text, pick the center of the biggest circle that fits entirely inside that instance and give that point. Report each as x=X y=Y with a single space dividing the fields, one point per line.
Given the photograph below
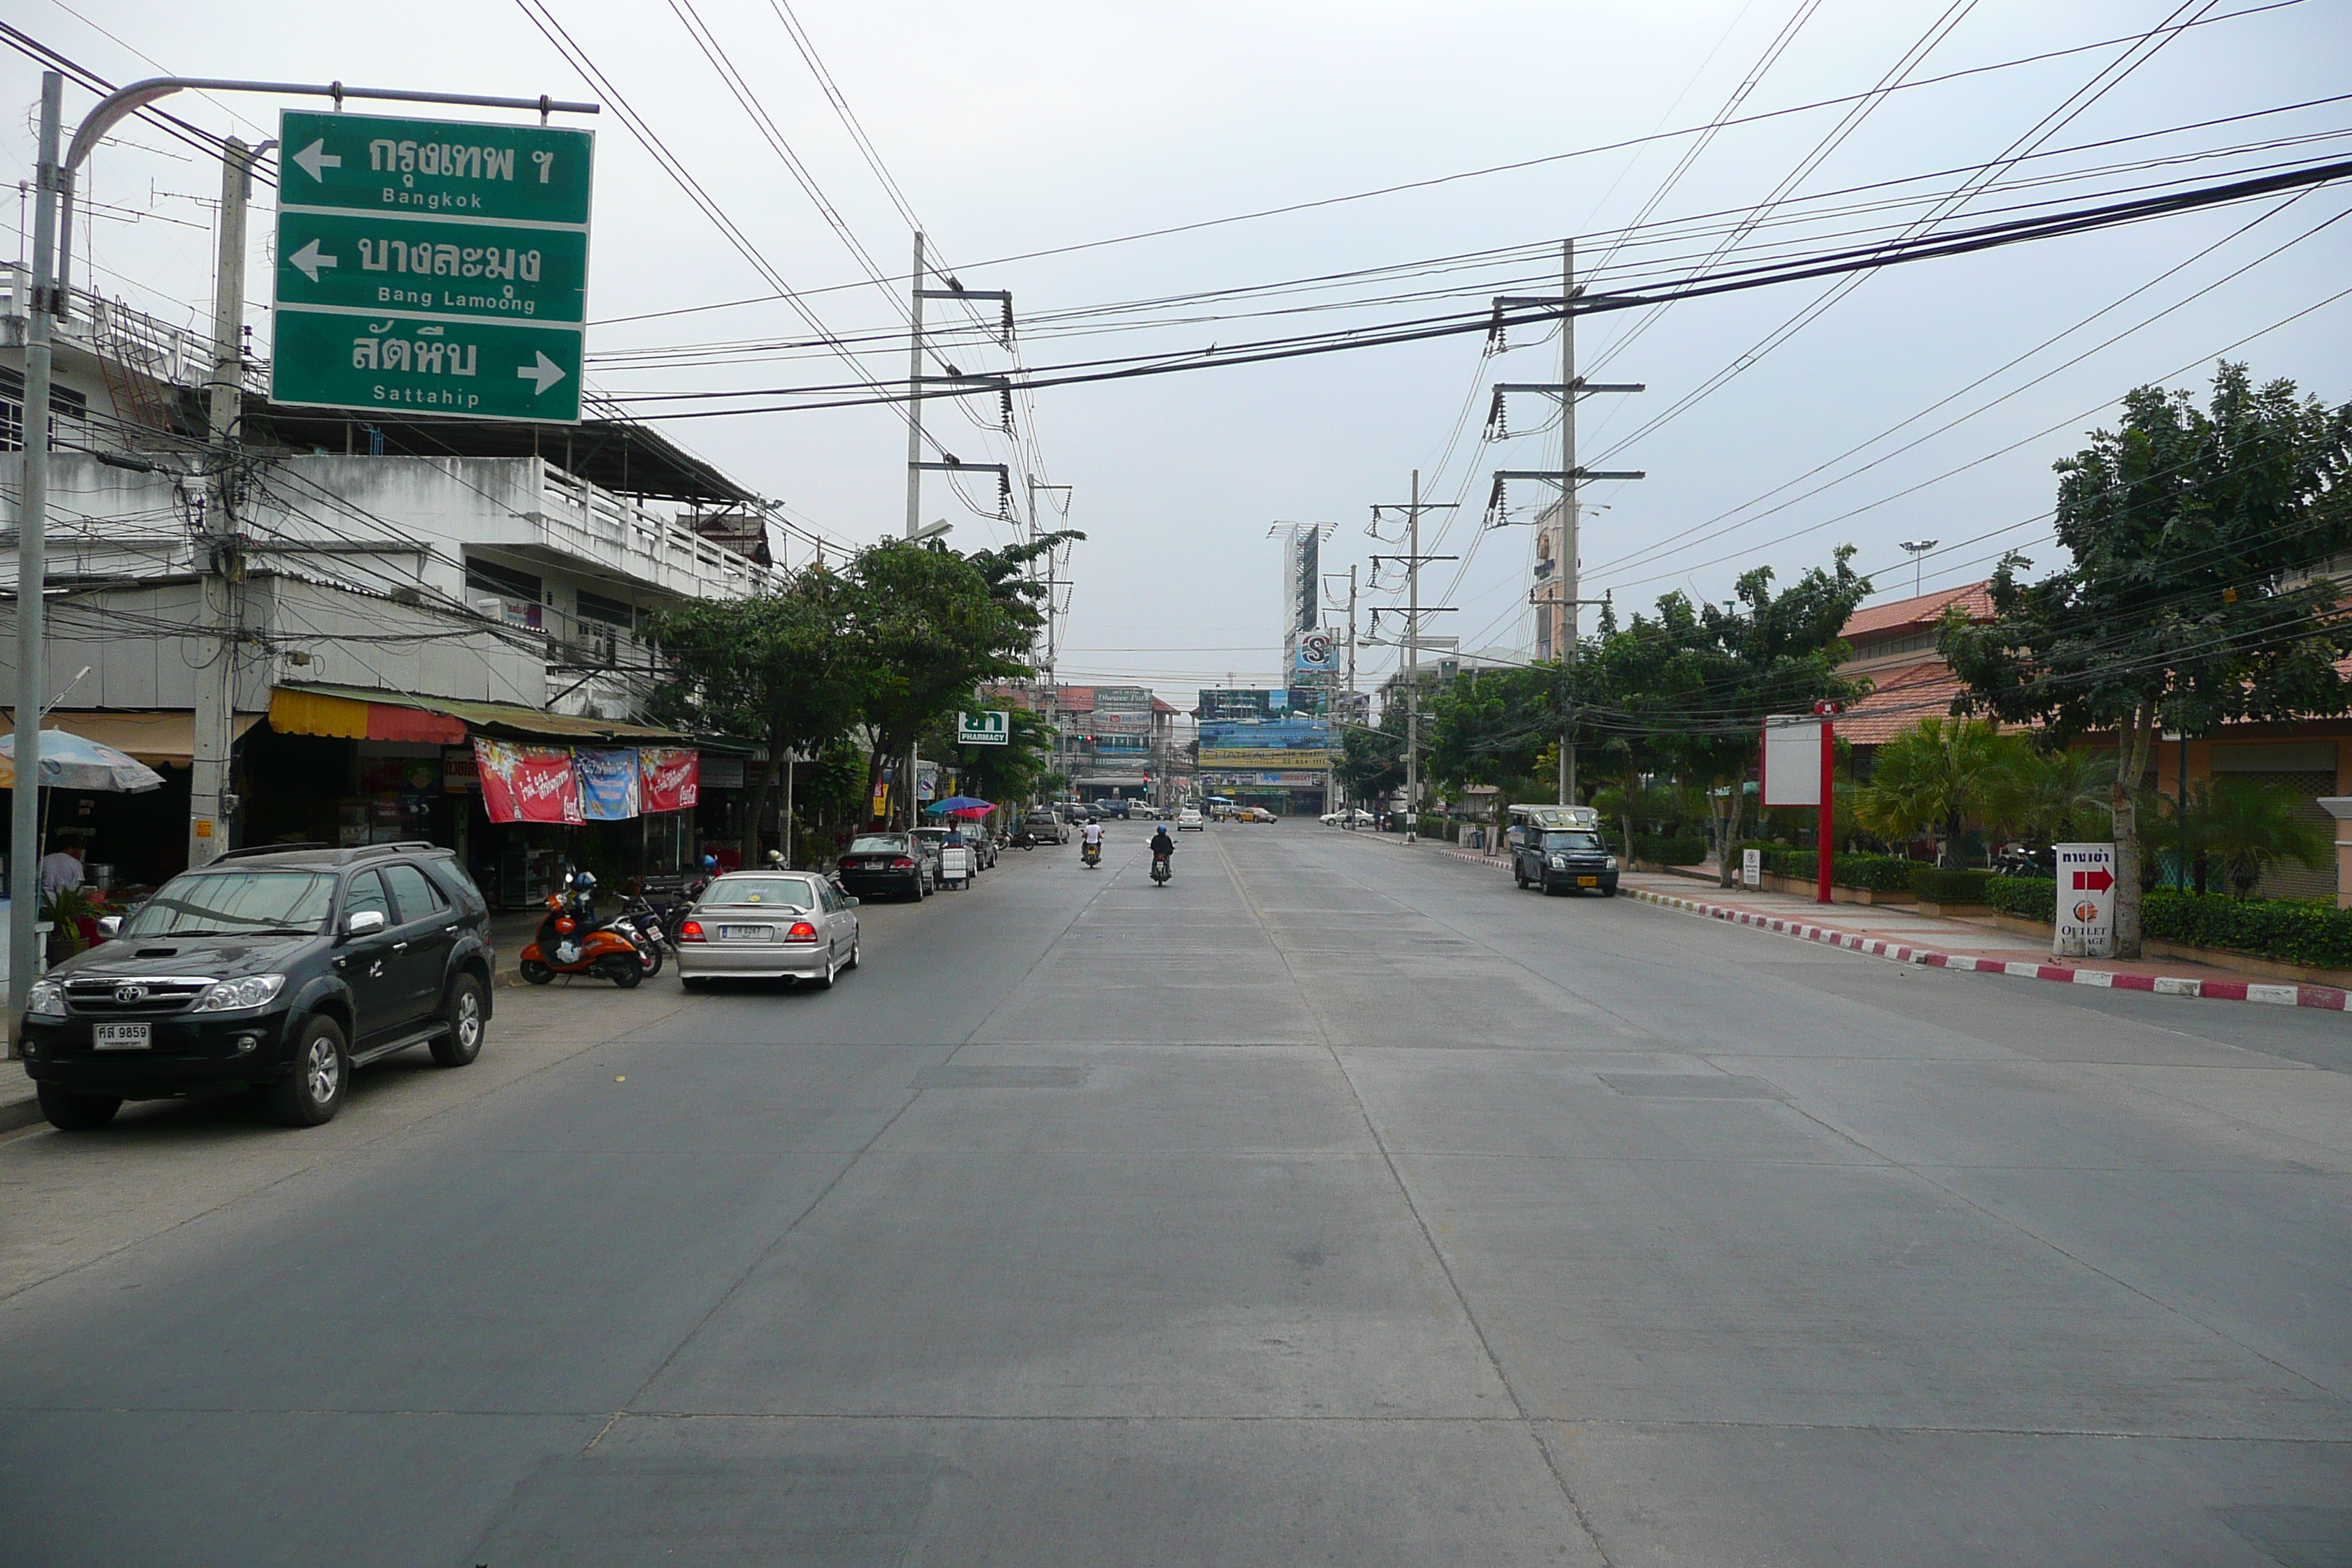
x=528 y=783
x=670 y=778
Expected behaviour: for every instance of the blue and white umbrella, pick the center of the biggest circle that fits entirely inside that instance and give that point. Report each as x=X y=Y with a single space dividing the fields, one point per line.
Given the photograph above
x=70 y=762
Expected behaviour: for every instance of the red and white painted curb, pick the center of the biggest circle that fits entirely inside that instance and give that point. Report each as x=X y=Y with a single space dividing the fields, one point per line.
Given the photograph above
x=2281 y=995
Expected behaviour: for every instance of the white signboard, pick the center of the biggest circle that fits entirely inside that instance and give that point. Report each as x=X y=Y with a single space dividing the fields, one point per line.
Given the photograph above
x=1751 y=868
x=1792 y=759
x=2086 y=901
x=992 y=727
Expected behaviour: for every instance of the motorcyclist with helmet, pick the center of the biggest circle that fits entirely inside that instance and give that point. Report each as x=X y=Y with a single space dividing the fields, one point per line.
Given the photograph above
x=1163 y=854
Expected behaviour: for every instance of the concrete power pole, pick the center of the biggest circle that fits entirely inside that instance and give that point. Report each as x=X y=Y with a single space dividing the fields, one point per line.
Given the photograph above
x=915 y=397
x=1413 y=614
x=220 y=573
x=32 y=514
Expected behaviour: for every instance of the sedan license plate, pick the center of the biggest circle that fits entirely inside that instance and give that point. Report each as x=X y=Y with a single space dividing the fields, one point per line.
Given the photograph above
x=121 y=1037
x=746 y=934
x=1588 y=881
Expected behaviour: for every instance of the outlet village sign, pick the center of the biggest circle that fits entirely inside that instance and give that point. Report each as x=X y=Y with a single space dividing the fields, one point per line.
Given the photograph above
x=431 y=267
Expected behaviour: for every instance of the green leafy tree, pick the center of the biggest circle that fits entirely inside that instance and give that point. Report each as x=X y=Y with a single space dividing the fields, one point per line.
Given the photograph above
x=1931 y=775
x=2191 y=600
x=1371 y=759
x=2249 y=826
x=2050 y=795
x=777 y=669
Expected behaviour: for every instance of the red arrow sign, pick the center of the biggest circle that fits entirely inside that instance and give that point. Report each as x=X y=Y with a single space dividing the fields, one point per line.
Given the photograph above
x=2097 y=881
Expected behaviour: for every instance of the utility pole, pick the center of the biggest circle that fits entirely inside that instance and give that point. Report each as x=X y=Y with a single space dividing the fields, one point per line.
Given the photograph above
x=1413 y=614
x=915 y=397
x=32 y=516
x=220 y=569
x=1568 y=389
x=1348 y=714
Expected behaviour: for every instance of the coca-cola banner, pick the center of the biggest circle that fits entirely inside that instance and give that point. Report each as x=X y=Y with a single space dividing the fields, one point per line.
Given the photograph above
x=670 y=778
x=608 y=783
x=528 y=783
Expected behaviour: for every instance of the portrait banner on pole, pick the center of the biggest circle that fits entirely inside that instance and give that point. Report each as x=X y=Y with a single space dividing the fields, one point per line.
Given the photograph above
x=608 y=783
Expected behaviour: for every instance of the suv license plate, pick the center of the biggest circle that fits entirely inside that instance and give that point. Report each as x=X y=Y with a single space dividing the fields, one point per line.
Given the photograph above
x=121 y=1037
x=745 y=933
x=1588 y=881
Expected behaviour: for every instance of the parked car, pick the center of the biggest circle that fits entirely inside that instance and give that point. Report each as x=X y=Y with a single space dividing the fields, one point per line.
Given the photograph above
x=1046 y=827
x=1113 y=808
x=887 y=863
x=985 y=848
x=1563 y=859
x=1356 y=816
x=279 y=970
x=1189 y=820
x=768 y=925
x=1257 y=814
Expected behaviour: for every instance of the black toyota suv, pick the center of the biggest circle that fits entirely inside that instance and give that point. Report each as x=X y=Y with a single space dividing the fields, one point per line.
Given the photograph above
x=280 y=969
x=1564 y=859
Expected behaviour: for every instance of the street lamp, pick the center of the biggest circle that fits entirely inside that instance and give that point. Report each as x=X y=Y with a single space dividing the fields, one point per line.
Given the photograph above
x=1917 y=548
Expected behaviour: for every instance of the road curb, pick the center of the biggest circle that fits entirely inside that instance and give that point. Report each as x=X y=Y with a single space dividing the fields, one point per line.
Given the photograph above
x=2327 y=997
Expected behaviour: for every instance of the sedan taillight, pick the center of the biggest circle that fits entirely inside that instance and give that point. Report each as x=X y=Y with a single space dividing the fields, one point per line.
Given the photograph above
x=902 y=864
x=692 y=932
x=848 y=863
x=801 y=931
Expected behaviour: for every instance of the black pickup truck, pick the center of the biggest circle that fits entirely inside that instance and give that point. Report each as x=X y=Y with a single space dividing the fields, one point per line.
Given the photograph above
x=279 y=969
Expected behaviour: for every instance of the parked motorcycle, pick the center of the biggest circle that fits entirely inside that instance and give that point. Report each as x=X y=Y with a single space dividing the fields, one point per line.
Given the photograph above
x=571 y=942
x=1024 y=839
x=644 y=925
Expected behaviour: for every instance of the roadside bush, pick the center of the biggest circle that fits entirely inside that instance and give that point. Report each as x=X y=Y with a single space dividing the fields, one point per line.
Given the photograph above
x=2275 y=928
x=1936 y=887
x=1875 y=873
x=2030 y=898
x=1670 y=851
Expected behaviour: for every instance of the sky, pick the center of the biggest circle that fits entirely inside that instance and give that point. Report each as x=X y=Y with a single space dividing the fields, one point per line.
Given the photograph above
x=1033 y=142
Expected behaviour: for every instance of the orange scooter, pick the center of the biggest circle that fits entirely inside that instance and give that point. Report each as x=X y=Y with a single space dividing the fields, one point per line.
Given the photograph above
x=571 y=941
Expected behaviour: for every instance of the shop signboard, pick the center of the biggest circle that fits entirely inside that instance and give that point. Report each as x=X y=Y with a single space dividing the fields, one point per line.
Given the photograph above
x=528 y=783
x=1122 y=699
x=608 y=783
x=431 y=266
x=670 y=778
x=992 y=727
x=2086 y=901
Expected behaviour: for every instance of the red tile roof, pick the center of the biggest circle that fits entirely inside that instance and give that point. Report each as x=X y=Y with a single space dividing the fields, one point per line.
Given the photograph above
x=1899 y=700
x=1910 y=615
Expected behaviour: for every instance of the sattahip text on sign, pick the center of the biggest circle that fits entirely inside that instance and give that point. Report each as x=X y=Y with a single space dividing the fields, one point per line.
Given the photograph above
x=431 y=267
x=2086 y=901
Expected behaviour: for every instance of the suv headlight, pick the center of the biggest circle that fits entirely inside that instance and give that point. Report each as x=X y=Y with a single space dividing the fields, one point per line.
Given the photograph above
x=45 y=1000
x=1610 y=864
x=227 y=995
x=1559 y=862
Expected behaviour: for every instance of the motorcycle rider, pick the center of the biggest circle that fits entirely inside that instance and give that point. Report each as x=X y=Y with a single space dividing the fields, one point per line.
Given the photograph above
x=1163 y=848
x=1090 y=838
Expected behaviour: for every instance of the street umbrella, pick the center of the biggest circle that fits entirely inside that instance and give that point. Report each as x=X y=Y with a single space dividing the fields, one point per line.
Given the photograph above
x=961 y=805
x=70 y=762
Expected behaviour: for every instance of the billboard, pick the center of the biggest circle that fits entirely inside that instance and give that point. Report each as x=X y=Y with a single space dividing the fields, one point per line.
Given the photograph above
x=1301 y=579
x=1285 y=743
x=1122 y=699
x=1242 y=702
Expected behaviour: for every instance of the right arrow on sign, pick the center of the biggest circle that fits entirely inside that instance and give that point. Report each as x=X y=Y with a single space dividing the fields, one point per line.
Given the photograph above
x=2097 y=881
x=315 y=159
x=543 y=375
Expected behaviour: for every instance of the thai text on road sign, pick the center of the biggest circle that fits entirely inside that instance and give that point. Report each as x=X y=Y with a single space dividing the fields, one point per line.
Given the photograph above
x=431 y=266
x=2086 y=901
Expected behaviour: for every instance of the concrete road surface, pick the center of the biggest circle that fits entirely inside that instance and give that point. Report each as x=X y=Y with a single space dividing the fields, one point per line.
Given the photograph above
x=1334 y=1205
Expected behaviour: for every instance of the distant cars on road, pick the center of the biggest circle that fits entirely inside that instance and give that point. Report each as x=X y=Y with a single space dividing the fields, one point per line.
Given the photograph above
x=1189 y=820
x=886 y=864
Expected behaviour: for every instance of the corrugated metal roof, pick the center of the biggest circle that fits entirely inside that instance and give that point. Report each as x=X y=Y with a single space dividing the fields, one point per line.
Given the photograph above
x=507 y=718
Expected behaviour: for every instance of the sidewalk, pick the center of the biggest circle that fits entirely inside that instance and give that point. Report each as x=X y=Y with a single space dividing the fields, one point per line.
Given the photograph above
x=1906 y=936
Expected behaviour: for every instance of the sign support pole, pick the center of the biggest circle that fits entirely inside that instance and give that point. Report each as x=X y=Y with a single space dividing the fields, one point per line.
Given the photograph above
x=1828 y=828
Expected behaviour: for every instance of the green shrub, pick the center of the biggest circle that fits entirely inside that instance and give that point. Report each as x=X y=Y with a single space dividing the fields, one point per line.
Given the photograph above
x=1875 y=873
x=2030 y=898
x=2275 y=928
x=1670 y=851
x=1940 y=887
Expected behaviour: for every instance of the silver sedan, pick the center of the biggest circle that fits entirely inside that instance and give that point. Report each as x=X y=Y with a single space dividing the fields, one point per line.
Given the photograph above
x=767 y=925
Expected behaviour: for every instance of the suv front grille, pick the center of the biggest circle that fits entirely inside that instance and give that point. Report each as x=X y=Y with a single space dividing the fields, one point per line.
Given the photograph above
x=134 y=996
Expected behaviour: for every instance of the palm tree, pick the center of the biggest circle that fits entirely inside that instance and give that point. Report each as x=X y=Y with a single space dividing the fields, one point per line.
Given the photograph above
x=1930 y=777
x=2040 y=795
x=2249 y=825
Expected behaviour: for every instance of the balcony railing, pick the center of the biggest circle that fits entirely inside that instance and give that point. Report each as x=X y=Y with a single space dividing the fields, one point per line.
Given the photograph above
x=628 y=535
x=113 y=331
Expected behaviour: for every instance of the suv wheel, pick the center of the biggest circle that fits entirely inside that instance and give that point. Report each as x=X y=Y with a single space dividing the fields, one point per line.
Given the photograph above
x=465 y=1018
x=322 y=1071
x=70 y=1112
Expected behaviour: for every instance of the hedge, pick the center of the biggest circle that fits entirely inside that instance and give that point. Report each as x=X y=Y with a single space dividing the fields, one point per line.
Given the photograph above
x=2030 y=898
x=1940 y=887
x=1670 y=851
x=1877 y=873
x=2274 y=929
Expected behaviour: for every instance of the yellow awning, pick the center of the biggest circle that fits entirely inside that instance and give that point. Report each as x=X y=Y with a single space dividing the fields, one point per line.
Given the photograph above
x=155 y=737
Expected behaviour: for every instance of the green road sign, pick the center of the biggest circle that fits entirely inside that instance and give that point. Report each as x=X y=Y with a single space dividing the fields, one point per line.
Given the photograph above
x=392 y=364
x=452 y=271
x=359 y=162
x=431 y=267
x=985 y=729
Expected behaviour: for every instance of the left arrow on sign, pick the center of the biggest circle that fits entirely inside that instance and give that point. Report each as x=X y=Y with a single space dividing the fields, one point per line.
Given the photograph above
x=315 y=159
x=543 y=375
x=309 y=258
